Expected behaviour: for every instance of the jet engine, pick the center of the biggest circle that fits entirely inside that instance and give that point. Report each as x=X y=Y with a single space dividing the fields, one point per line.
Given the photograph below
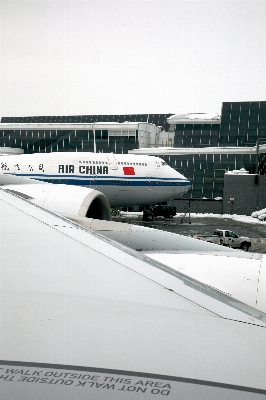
x=64 y=199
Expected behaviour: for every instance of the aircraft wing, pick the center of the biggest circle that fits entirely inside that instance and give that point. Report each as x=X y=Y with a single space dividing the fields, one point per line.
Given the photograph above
x=85 y=317
x=239 y=274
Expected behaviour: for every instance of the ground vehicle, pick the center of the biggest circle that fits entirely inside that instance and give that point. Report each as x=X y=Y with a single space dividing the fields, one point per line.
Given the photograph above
x=156 y=211
x=227 y=238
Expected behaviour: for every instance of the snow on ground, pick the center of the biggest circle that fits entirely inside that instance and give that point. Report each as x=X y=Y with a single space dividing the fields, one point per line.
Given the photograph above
x=241 y=218
x=235 y=217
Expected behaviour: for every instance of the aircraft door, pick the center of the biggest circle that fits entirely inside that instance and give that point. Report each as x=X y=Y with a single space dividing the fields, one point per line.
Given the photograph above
x=149 y=177
x=93 y=182
x=148 y=183
x=91 y=170
x=157 y=163
x=112 y=161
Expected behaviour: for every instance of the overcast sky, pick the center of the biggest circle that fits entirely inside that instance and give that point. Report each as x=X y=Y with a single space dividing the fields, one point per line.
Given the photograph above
x=73 y=57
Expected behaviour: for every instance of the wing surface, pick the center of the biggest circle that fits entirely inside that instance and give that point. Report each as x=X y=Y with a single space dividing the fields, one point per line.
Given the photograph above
x=83 y=316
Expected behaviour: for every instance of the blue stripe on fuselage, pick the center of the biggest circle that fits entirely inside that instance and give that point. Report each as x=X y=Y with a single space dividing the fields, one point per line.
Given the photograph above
x=110 y=180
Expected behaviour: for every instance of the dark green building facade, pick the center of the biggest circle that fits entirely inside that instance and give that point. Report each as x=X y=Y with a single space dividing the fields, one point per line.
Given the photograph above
x=207 y=148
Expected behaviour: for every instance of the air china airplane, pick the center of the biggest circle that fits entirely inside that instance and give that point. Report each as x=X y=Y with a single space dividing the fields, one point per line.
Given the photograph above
x=125 y=180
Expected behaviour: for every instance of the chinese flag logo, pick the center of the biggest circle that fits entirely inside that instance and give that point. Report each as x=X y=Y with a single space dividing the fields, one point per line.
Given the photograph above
x=128 y=171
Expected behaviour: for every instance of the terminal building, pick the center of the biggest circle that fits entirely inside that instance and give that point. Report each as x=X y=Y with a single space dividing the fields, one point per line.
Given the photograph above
x=202 y=147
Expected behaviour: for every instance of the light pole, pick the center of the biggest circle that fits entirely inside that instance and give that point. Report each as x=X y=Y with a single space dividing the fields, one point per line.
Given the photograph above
x=257 y=153
x=257 y=166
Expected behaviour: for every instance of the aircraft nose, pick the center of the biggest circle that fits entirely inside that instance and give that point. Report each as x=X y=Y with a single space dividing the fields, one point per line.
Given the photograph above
x=187 y=186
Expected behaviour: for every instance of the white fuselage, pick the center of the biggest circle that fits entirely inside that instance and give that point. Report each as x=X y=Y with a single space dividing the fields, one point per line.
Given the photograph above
x=125 y=180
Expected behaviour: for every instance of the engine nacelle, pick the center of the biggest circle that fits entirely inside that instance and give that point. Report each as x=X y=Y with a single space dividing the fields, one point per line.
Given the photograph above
x=65 y=199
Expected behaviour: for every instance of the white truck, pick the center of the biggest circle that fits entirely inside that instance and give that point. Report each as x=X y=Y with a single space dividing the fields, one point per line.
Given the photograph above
x=227 y=238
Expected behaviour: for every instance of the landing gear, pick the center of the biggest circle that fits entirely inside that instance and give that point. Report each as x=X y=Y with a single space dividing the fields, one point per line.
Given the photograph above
x=148 y=214
x=168 y=216
x=115 y=212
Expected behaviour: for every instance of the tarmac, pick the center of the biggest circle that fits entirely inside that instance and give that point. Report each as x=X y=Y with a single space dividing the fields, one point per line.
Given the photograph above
x=193 y=225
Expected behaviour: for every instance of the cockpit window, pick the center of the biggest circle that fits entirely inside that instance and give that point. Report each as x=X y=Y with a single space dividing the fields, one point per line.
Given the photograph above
x=164 y=163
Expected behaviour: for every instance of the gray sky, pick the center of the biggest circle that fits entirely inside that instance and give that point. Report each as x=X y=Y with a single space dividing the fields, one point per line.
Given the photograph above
x=73 y=57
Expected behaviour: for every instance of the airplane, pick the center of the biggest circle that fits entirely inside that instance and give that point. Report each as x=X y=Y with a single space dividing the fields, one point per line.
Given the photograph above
x=86 y=317
x=126 y=180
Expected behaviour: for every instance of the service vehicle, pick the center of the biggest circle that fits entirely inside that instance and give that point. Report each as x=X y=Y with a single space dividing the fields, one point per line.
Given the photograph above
x=158 y=211
x=227 y=238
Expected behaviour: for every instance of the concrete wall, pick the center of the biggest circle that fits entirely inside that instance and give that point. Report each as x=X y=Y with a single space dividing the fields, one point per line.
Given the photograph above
x=197 y=206
x=241 y=196
x=244 y=194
